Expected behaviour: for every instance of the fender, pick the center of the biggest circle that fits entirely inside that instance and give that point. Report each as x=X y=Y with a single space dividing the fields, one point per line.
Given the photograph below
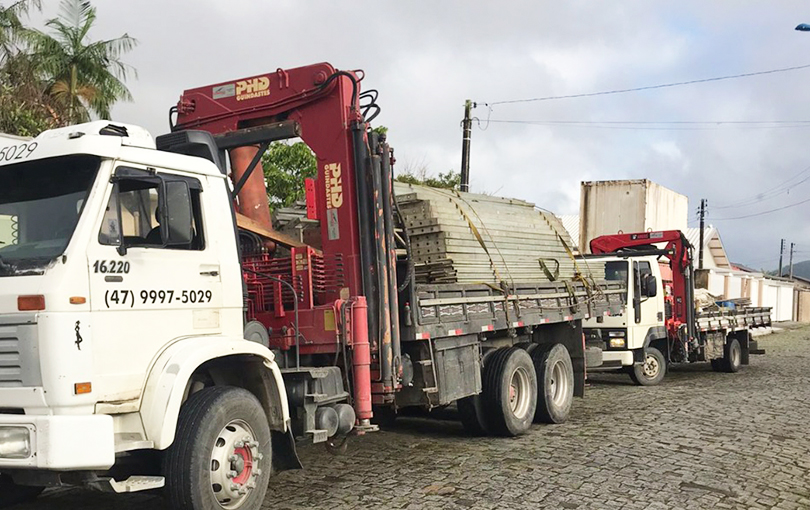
x=654 y=333
x=171 y=372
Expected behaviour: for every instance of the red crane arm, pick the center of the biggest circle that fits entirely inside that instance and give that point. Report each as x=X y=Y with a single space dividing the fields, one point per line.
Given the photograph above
x=678 y=252
x=324 y=102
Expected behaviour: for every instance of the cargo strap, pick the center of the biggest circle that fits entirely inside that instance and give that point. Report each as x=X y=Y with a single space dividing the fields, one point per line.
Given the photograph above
x=503 y=287
x=455 y=197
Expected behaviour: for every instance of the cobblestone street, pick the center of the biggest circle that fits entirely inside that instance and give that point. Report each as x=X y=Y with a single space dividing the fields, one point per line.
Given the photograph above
x=700 y=440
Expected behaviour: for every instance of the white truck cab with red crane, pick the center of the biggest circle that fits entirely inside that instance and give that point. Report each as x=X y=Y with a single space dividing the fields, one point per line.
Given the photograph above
x=121 y=295
x=660 y=324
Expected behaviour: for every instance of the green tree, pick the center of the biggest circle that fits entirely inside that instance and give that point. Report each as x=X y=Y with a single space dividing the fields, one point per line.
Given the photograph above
x=11 y=26
x=285 y=168
x=448 y=180
x=82 y=76
x=25 y=109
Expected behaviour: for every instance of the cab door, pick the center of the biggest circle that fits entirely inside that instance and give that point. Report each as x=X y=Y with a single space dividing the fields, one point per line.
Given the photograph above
x=648 y=311
x=152 y=281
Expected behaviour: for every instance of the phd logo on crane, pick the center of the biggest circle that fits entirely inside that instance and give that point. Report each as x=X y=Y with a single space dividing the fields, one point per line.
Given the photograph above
x=334 y=185
x=252 y=88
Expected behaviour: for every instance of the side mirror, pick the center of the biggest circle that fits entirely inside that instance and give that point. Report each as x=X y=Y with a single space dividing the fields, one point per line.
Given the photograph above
x=649 y=285
x=175 y=209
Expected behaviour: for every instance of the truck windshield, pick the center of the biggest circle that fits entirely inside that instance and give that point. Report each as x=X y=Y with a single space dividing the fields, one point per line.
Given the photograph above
x=40 y=204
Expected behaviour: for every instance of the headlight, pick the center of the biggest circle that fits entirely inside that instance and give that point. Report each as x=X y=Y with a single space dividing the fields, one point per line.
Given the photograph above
x=616 y=343
x=15 y=443
x=616 y=334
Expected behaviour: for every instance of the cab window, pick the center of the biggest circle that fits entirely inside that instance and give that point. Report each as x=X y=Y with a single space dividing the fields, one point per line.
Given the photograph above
x=133 y=214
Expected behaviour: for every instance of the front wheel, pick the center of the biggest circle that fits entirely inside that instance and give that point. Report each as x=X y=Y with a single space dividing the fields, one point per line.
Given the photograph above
x=510 y=392
x=652 y=370
x=13 y=494
x=221 y=455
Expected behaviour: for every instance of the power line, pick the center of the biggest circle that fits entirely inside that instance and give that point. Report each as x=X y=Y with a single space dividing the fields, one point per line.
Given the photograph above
x=784 y=186
x=658 y=126
x=763 y=212
x=651 y=87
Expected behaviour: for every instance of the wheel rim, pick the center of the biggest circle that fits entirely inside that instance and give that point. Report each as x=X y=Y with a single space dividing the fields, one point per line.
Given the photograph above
x=235 y=464
x=558 y=384
x=519 y=393
x=651 y=366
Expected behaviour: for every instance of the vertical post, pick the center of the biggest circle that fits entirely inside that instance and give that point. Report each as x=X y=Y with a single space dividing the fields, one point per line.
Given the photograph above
x=702 y=217
x=781 y=253
x=465 y=146
x=791 y=260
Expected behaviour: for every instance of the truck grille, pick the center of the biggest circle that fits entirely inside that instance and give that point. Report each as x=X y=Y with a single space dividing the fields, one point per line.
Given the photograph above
x=19 y=352
x=10 y=363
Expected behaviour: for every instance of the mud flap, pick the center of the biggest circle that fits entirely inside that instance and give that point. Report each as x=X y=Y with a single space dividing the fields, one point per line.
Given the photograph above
x=284 y=455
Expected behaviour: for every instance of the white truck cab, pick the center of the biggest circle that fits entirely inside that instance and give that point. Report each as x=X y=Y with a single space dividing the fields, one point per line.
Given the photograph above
x=121 y=299
x=636 y=339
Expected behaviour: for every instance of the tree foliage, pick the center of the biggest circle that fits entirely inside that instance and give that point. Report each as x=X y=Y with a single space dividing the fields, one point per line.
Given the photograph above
x=60 y=77
x=447 y=180
x=285 y=168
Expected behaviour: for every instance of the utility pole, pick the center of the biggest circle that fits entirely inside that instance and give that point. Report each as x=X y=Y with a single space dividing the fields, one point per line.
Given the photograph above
x=465 y=146
x=702 y=223
x=781 y=253
x=791 y=260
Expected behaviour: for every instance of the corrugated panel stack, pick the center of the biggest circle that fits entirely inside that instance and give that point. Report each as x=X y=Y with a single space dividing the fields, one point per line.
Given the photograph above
x=512 y=237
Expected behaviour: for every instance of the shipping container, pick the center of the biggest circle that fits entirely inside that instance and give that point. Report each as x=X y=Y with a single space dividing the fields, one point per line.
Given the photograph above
x=639 y=205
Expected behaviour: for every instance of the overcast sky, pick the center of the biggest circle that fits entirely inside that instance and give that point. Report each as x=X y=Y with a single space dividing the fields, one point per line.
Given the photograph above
x=427 y=57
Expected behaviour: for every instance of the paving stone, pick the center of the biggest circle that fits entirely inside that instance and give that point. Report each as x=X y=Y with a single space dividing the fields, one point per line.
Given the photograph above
x=699 y=440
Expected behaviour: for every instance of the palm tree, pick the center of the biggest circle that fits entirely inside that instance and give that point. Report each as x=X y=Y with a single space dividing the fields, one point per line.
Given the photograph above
x=11 y=26
x=82 y=75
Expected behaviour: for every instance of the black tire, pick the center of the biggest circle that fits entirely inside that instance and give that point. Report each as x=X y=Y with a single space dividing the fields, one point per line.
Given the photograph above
x=717 y=365
x=555 y=384
x=510 y=392
x=12 y=494
x=471 y=412
x=732 y=356
x=213 y=423
x=652 y=370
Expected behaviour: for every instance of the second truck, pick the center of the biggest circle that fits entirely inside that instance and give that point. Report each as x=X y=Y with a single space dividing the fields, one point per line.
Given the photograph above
x=662 y=324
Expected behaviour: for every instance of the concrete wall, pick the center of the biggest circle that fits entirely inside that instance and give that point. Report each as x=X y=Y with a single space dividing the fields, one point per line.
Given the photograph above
x=801 y=305
x=762 y=291
x=607 y=207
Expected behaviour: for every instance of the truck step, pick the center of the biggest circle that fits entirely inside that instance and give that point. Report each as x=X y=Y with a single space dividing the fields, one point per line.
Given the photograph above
x=137 y=483
x=425 y=362
x=432 y=389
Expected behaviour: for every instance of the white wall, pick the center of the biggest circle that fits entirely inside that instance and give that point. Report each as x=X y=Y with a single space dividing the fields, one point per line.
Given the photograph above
x=728 y=284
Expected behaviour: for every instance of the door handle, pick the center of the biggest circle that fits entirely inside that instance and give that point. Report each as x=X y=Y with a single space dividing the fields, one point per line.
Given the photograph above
x=209 y=273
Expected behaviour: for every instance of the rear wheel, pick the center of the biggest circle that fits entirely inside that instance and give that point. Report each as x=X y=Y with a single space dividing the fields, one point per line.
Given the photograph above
x=717 y=365
x=732 y=359
x=555 y=384
x=510 y=392
x=13 y=494
x=220 y=458
x=652 y=370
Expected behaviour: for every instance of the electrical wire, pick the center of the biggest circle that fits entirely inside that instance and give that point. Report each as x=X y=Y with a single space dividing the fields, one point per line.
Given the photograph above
x=651 y=87
x=659 y=126
x=784 y=186
x=763 y=212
